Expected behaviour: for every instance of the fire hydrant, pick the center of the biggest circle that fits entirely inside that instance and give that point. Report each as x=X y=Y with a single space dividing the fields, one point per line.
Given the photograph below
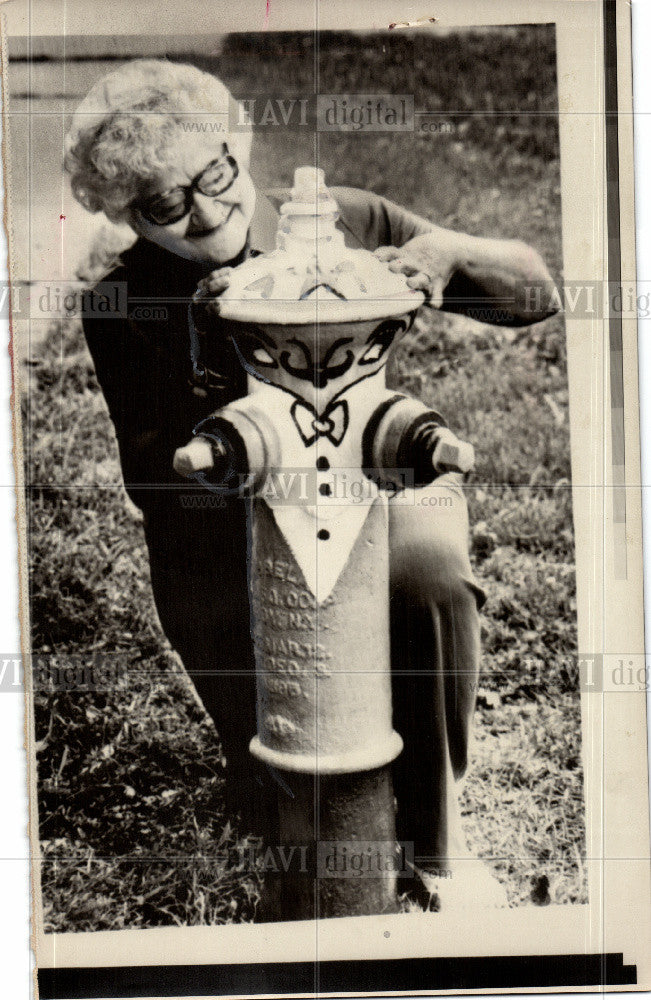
x=320 y=444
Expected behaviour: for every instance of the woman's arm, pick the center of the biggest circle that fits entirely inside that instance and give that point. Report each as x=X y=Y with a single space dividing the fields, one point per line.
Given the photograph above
x=504 y=282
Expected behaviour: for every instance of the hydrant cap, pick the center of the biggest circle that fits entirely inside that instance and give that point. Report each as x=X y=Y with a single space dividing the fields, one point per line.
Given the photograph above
x=312 y=276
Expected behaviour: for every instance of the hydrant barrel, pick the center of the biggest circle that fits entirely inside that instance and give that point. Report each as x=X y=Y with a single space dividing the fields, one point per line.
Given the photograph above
x=324 y=682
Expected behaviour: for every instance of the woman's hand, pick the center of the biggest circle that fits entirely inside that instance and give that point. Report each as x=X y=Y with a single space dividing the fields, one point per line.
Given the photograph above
x=426 y=261
x=209 y=289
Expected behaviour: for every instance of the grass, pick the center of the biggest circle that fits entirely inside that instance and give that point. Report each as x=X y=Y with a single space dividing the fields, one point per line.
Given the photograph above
x=132 y=817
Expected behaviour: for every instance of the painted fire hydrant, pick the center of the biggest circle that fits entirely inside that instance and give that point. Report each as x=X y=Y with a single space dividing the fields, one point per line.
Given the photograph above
x=320 y=444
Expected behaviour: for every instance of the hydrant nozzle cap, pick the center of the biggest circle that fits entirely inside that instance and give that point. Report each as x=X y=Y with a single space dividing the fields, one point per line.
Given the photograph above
x=309 y=197
x=310 y=185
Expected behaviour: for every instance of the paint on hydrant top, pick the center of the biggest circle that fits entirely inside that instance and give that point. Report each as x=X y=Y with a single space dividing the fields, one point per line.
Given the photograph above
x=312 y=275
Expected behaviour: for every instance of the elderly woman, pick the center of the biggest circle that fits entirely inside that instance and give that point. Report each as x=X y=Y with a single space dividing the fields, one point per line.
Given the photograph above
x=136 y=152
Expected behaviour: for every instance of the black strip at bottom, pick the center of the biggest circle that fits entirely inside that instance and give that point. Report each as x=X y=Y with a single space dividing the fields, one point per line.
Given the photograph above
x=306 y=978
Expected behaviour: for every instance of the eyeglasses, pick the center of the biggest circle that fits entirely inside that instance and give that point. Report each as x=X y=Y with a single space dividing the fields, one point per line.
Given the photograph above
x=170 y=206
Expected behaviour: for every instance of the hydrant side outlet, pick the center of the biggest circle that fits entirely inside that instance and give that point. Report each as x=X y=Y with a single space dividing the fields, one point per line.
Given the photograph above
x=249 y=440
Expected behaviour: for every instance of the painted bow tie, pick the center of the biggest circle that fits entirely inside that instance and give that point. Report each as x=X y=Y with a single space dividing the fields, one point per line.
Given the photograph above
x=332 y=423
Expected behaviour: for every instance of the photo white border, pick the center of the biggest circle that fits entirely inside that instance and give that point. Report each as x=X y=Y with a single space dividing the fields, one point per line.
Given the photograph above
x=595 y=928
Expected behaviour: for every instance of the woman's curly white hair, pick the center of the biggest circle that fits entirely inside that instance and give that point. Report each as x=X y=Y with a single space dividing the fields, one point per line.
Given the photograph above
x=125 y=130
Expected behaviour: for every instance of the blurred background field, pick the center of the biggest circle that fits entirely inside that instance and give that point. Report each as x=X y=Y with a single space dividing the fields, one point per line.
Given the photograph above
x=133 y=824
